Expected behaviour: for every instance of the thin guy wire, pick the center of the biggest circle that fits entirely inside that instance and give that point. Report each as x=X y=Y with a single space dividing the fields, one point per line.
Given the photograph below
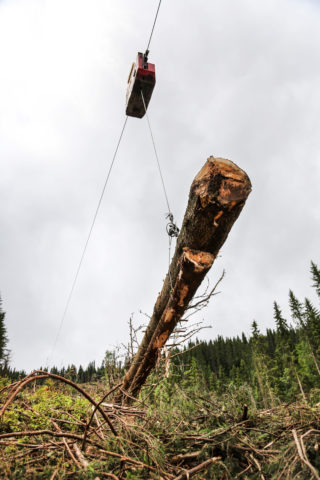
x=163 y=185
x=156 y=154
x=154 y=25
x=88 y=239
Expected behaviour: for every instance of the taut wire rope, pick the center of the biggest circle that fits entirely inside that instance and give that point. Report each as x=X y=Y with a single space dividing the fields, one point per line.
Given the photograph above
x=172 y=229
x=156 y=155
x=87 y=240
x=155 y=19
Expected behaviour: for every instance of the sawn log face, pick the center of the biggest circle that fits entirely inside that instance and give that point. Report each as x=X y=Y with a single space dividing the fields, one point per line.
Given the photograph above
x=217 y=196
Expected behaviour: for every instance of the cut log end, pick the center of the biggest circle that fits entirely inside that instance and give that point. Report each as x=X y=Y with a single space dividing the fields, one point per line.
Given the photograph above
x=234 y=187
x=201 y=261
x=226 y=167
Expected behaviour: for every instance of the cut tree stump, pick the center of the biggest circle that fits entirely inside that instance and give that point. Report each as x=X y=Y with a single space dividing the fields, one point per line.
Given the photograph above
x=217 y=196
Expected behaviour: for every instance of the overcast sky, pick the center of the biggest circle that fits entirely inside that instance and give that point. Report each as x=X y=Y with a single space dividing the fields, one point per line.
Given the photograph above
x=235 y=78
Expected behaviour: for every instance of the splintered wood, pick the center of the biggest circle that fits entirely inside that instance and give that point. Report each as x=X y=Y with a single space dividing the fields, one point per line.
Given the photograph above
x=217 y=196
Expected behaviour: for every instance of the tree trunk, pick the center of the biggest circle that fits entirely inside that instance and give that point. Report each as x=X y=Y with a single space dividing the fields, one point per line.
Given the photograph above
x=217 y=196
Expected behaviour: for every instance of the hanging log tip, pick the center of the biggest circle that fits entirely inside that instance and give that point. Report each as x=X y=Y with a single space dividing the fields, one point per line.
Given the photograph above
x=234 y=184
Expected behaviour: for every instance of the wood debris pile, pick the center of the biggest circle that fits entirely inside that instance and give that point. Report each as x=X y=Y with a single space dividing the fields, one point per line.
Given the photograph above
x=65 y=433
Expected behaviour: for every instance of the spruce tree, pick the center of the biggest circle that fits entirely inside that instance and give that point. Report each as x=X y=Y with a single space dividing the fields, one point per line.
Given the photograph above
x=307 y=317
x=4 y=354
x=262 y=365
x=281 y=322
x=313 y=325
x=315 y=273
x=283 y=368
x=296 y=309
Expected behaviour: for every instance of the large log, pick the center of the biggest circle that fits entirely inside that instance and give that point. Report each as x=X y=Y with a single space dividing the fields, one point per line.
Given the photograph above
x=217 y=196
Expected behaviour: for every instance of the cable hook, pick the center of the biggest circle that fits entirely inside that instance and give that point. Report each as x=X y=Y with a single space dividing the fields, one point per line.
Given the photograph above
x=172 y=229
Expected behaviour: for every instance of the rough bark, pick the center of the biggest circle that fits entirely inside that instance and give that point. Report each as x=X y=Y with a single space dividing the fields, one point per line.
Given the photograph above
x=194 y=265
x=217 y=196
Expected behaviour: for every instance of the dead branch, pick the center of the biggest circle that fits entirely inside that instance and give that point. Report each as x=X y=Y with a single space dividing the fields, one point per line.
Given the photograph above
x=303 y=455
x=206 y=297
x=97 y=407
x=80 y=456
x=185 y=457
x=202 y=466
x=77 y=464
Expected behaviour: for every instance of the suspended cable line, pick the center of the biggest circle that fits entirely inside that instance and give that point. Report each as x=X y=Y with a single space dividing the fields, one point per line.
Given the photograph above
x=156 y=155
x=155 y=20
x=172 y=229
x=88 y=239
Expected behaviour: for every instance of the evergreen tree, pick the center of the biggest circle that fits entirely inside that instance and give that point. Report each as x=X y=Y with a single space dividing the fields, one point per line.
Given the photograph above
x=255 y=331
x=283 y=370
x=262 y=365
x=81 y=375
x=71 y=373
x=296 y=309
x=281 y=322
x=315 y=273
x=313 y=325
x=54 y=370
x=4 y=353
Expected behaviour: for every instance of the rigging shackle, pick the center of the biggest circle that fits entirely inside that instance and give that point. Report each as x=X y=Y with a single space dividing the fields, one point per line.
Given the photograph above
x=172 y=229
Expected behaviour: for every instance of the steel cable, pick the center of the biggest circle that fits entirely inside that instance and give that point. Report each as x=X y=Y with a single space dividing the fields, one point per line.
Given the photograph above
x=172 y=229
x=155 y=20
x=87 y=240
